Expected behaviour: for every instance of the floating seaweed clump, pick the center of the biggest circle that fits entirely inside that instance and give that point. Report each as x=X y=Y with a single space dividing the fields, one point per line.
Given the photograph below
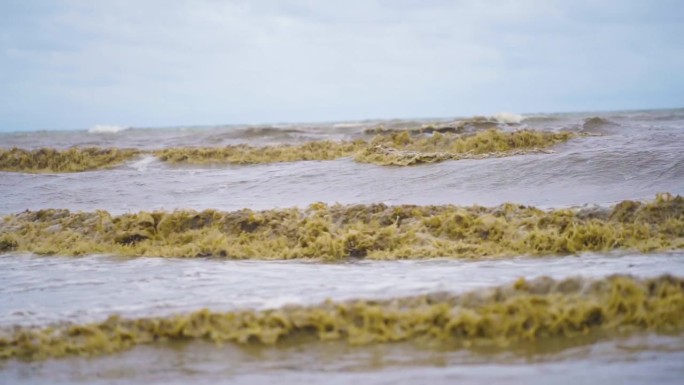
x=245 y=154
x=399 y=148
x=355 y=231
x=461 y=126
x=70 y=160
x=525 y=311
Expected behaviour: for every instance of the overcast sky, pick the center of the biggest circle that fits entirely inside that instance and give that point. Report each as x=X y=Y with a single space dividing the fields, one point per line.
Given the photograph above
x=73 y=64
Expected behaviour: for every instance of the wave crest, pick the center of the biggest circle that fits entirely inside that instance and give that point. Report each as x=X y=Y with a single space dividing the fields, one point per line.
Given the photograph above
x=507 y=118
x=106 y=129
x=527 y=310
x=595 y=124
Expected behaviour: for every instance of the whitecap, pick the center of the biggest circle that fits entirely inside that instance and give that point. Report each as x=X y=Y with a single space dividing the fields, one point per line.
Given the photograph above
x=507 y=118
x=347 y=125
x=142 y=164
x=106 y=129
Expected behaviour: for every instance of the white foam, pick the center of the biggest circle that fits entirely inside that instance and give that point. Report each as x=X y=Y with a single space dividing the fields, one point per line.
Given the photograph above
x=141 y=165
x=347 y=125
x=507 y=118
x=106 y=129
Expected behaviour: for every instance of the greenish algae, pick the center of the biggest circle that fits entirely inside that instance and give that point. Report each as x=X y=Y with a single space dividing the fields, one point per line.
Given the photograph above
x=335 y=232
x=246 y=154
x=71 y=160
x=401 y=149
x=462 y=126
x=528 y=310
x=398 y=148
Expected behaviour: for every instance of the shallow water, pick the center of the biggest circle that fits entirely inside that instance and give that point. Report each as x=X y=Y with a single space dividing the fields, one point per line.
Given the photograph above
x=639 y=359
x=637 y=155
x=606 y=176
x=41 y=290
x=635 y=158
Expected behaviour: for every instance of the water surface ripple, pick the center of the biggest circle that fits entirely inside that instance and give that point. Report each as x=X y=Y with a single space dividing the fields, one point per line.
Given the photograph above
x=39 y=290
x=635 y=155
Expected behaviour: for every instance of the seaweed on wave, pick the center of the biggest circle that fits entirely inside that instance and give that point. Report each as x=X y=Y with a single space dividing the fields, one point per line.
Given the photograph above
x=337 y=232
x=528 y=310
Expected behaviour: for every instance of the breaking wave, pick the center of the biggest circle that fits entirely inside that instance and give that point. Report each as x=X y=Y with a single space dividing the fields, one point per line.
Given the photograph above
x=251 y=132
x=507 y=118
x=357 y=231
x=596 y=123
x=542 y=118
x=526 y=310
x=106 y=129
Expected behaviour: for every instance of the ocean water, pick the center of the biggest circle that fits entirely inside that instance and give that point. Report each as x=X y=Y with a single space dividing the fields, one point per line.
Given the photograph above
x=632 y=155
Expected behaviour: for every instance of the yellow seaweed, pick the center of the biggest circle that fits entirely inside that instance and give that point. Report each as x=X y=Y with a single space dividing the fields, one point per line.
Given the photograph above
x=334 y=232
x=527 y=310
x=71 y=160
x=399 y=148
x=245 y=154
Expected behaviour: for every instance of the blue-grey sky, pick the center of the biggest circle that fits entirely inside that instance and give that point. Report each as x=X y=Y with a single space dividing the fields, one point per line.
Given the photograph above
x=73 y=64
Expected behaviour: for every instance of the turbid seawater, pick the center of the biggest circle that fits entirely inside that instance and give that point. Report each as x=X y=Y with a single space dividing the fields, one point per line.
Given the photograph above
x=615 y=156
x=42 y=290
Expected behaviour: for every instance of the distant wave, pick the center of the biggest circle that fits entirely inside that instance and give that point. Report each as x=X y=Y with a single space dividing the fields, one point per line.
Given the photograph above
x=251 y=132
x=348 y=125
x=541 y=118
x=106 y=129
x=596 y=123
x=507 y=118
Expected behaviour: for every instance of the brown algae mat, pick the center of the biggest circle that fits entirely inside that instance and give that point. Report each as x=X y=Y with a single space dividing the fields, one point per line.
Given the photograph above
x=246 y=154
x=525 y=311
x=71 y=160
x=402 y=149
x=399 y=148
x=337 y=232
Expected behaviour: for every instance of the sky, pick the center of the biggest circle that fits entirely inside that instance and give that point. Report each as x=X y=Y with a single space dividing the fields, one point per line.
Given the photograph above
x=147 y=63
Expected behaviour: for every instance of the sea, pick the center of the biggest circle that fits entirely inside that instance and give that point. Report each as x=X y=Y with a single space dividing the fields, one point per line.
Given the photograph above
x=625 y=155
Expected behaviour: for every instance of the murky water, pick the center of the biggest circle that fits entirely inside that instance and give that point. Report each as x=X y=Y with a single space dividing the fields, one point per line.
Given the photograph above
x=634 y=159
x=635 y=360
x=40 y=290
x=637 y=155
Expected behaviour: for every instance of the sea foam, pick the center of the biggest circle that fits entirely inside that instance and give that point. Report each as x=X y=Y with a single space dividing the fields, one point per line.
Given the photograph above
x=507 y=118
x=106 y=129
